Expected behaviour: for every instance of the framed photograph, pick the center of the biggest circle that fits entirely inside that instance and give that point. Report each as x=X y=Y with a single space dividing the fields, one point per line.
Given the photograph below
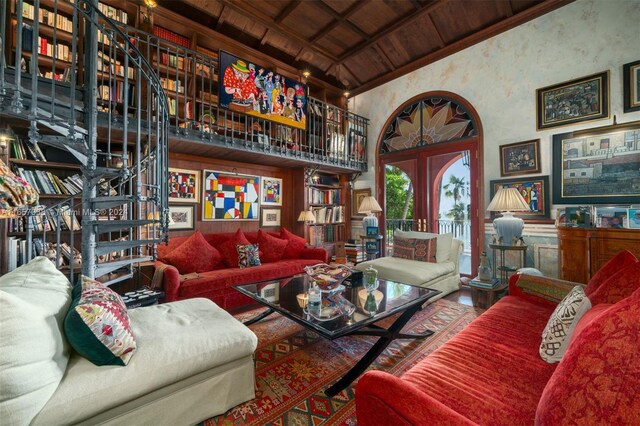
x=372 y=231
x=597 y=166
x=270 y=217
x=535 y=192
x=182 y=217
x=633 y=217
x=611 y=217
x=561 y=219
x=230 y=196
x=184 y=185
x=520 y=158
x=371 y=246
x=356 y=200
x=575 y=101
x=631 y=83
x=578 y=217
x=270 y=191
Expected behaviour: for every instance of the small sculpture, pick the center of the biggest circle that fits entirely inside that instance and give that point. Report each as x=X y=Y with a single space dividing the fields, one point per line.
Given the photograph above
x=520 y=242
x=494 y=240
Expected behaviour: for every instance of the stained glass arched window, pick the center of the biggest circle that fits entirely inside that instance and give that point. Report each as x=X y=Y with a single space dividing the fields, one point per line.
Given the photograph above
x=428 y=121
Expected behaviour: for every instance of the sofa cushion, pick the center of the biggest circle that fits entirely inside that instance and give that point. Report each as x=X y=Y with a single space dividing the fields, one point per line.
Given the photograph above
x=408 y=271
x=403 y=248
x=229 y=249
x=618 y=286
x=34 y=299
x=618 y=262
x=97 y=325
x=563 y=320
x=443 y=250
x=248 y=256
x=272 y=247
x=598 y=379
x=194 y=255
x=295 y=244
x=415 y=249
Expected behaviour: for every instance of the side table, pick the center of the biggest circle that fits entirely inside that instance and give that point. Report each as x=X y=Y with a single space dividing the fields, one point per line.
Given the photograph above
x=142 y=297
x=505 y=269
x=372 y=245
x=491 y=291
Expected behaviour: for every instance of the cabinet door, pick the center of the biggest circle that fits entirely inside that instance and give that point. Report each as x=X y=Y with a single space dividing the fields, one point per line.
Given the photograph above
x=573 y=256
x=607 y=243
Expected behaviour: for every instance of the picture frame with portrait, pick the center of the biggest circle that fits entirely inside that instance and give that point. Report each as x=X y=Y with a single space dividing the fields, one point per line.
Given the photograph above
x=356 y=200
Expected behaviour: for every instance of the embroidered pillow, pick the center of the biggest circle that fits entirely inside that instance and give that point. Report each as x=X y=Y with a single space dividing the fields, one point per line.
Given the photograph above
x=97 y=324
x=229 y=251
x=248 y=256
x=557 y=333
x=295 y=244
x=194 y=255
x=425 y=250
x=272 y=248
x=403 y=248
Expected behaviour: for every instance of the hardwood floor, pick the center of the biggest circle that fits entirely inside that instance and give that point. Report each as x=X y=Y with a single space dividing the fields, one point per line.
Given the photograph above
x=462 y=296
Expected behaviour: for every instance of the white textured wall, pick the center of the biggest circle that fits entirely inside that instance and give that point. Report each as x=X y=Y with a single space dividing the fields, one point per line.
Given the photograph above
x=499 y=76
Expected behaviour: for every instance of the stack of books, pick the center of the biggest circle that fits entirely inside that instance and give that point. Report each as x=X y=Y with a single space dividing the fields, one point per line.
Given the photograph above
x=355 y=252
x=476 y=282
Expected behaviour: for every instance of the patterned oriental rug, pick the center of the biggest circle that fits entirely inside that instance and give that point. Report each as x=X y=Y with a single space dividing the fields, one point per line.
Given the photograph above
x=295 y=365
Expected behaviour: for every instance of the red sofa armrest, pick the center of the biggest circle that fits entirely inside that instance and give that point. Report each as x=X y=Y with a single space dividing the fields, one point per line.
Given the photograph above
x=315 y=253
x=383 y=399
x=170 y=280
x=545 y=290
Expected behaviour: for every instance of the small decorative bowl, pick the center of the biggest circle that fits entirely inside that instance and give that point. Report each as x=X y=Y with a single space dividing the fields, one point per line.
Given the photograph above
x=327 y=276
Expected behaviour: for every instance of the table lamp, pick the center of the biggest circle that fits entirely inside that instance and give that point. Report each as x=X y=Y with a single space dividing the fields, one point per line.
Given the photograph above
x=508 y=227
x=307 y=217
x=369 y=205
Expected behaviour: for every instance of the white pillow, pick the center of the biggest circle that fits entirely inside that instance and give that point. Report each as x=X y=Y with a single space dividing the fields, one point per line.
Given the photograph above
x=557 y=333
x=443 y=249
x=34 y=300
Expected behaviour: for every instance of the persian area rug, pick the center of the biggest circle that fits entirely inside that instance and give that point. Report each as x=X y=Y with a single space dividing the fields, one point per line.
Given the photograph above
x=295 y=365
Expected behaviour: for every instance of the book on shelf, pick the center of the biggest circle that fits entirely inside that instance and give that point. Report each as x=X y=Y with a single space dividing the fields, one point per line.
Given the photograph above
x=45 y=182
x=323 y=196
x=47 y=17
x=113 y=13
x=171 y=36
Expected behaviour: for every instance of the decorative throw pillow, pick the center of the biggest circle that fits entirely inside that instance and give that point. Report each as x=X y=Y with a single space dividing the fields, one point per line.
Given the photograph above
x=620 y=285
x=444 y=243
x=559 y=328
x=248 y=256
x=272 y=248
x=425 y=250
x=194 y=255
x=97 y=324
x=229 y=251
x=618 y=262
x=403 y=248
x=295 y=244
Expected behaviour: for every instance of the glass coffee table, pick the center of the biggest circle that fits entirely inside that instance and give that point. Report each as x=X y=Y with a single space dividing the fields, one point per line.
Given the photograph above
x=346 y=314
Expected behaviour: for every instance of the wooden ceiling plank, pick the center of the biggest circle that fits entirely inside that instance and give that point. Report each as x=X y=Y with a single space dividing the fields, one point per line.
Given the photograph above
x=382 y=53
x=265 y=37
x=441 y=42
x=340 y=19
x=221 y=18
x=287 y=11
x=354 y=76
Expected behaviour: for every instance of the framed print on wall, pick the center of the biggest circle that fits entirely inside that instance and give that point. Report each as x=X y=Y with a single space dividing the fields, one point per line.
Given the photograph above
x=582 y=99
x=230 y=196
x=184 y=185
x=182 y=217
x=535 y=192
x=597 y=166
x=631 y=84
x=270 y=217
x=520 y=158
x=356 y=200
x=270 y=191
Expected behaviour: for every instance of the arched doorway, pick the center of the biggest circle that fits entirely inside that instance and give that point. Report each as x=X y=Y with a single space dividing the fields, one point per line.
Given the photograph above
x=424 y=138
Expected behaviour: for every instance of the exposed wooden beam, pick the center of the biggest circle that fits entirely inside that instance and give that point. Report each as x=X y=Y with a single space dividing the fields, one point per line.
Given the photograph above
x=265 y=36
x=287 y=11
x=221 y=18
x=382 y=53
x=340 y=19
x=441 y=42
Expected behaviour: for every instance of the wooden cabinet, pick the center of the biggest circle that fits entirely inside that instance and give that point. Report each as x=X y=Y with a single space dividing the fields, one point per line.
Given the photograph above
x=582 y=251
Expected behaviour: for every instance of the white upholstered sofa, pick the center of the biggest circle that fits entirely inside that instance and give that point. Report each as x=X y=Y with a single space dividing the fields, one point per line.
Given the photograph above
x=193 y=360
x=443 y=275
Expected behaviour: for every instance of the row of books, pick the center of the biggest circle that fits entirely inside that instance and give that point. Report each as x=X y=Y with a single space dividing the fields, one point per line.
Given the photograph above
x=105 y=40
x=355 y=252
x=24 y=150
x=45 y=46
x=329 y=214
x=113 y=13
x=113 y=66
x=58 y=76
x=323 y=196
x=47 y=17
x=116 y=91
x=45 y=220
x=175 y=85
x=173 y=61
x=171 y=36
x=48 y=183
x=17 y=251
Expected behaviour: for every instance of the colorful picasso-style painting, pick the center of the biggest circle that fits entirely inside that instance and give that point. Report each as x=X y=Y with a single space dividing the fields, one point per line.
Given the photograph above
x=183 y=185
x=251 y=89
x=535 y=192
x=230 y=196
x=271 y=194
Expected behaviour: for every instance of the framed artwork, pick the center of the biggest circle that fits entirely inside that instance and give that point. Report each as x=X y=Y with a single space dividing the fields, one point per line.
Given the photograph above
x=270 y=217
x=254 y=90
x=535 y=192
x=611 y=217
x=356 y=200
x=520 y=158
x=228 y=196
x=184 y=185
x=372 y=231
x=182 y=217
x=631 y=86
x=583 y=99
x=578 y=217
x=633 y=216
x=597 y=166
x=356 y=145
x=270 y=191
x=371 y=246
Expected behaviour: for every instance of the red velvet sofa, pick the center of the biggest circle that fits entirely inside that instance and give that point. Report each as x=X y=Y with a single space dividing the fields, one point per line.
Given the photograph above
x=491 y=372
x=216 y=283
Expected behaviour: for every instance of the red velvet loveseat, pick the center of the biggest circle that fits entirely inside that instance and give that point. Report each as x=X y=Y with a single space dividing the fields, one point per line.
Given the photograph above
x=206 y=265
x=491 y=373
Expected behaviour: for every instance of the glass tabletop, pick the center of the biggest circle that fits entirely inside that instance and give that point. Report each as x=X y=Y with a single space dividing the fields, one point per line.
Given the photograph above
x=344 y=309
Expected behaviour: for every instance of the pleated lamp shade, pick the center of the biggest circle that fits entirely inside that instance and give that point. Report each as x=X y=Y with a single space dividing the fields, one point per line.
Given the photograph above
x=508 y=227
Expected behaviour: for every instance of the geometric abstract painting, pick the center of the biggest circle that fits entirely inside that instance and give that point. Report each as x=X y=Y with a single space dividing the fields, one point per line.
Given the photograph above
x=230 y=196
x=271 y=191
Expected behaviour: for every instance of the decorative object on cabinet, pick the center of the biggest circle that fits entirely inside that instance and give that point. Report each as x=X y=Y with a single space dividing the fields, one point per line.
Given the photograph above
x=577 y=217
x=270 y=217
x=631 y=80
x=230 y=196
x=520 y=158
x=184 y=185
x=534 y=191
x=599 y=165
x=611 y=217
x=356 y=200
x=181 y=217
x=251 y=89
x=574 y=101
x=369 y=206
x=633 y=216
x=270 y=191
x=507 y=200
x=372 y=230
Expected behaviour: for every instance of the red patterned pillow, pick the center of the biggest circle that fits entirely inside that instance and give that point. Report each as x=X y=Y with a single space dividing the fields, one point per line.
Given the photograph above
x=425 y=250
x=621 y=260
x=271 y=248
x=194 y=255
x=598 y=379
x=619 y=286
x=295 y=244
x=403 y=248
x=229 y=250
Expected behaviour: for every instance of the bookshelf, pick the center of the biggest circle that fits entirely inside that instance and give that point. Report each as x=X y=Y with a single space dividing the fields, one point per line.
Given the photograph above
x=325 y=197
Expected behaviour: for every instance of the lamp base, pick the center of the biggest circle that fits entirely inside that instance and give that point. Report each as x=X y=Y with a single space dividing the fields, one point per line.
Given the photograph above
x=508 y=227
x=369 y=220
